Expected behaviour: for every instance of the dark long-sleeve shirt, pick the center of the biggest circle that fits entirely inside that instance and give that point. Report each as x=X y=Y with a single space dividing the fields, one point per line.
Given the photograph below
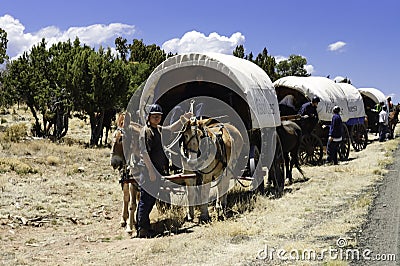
x=336 y=128
x=309 y=109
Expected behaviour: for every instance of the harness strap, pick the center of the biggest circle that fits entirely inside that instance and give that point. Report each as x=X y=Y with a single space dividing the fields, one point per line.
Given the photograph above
x=126 y=176
x=220 y=156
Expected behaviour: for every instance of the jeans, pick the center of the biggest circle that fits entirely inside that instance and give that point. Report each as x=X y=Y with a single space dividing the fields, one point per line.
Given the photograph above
x=332 y=150
x=146 y=204
x=383 y=129
x=149 y=190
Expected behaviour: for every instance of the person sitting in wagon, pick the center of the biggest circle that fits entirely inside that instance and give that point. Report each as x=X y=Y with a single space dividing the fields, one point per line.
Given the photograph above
x=286 y=105
x=309 y=115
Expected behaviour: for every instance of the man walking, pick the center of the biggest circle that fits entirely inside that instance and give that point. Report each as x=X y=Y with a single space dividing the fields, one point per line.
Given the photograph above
x=383 y=123
x=335 y=136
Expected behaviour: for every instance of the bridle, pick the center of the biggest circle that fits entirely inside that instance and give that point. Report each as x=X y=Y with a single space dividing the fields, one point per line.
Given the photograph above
x=118 y=139
x=216 y=140
x=195 y=136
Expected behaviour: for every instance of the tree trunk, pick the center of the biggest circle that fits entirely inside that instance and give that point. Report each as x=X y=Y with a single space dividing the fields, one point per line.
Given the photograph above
x=96 y=125
x=37 y=131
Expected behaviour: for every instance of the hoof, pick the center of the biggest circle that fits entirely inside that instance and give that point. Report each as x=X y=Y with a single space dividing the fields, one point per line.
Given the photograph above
x=128 y=230
x=123 y=223
x=189 y=218
x=204 y=219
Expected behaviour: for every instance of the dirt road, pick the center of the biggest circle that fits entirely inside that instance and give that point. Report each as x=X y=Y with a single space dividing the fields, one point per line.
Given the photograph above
x=380 y=237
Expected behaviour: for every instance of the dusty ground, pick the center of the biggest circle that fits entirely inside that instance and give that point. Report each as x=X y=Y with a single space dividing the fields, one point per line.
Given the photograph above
x=60 y=205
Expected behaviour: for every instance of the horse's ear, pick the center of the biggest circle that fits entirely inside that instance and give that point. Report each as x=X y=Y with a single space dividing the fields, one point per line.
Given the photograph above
x=207 y=121
x=120 y=120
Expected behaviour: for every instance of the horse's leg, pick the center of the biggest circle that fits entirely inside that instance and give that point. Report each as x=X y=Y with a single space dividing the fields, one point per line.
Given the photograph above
x=205 y=194
x=288 y=167
x=132 y=207
x=191 y=195
x=125 y=202
x=222 y=196
x=391 y=130
x=292 y=163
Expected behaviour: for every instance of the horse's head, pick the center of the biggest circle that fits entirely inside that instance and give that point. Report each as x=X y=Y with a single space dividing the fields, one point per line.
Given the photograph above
x=197 y=143
x=397 y=108
x=125 y=136
x=117 y=150
x=191 y=134
x=396 y=111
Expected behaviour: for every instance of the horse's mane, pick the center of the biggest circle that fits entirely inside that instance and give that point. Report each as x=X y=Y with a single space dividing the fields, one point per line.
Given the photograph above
x=120 y=120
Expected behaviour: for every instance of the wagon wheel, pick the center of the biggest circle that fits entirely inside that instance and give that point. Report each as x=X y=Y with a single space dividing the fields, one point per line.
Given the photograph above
x=251 y=168
x=253 y=162
x=311 y=150
x=344 y=148
x=359 y=137
x=276 y=174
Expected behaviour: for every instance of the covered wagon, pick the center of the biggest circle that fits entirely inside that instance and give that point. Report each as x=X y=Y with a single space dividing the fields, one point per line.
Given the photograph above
x=355 y=118
x=331 y=94
x=224 y=87
x=372 y=97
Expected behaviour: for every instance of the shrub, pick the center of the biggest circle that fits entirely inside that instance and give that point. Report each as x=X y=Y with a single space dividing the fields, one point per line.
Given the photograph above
x=16 y=132
x=53 y=160
x=13 y=164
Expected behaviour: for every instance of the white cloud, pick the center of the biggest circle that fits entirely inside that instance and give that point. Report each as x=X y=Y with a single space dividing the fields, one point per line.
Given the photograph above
x=337 y=46
x=280 y=58
x=20 y=41
x=309 y=69
x=194 y=41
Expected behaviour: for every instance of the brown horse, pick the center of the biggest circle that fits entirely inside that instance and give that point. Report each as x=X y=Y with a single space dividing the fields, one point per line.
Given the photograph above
x=128 y=132
x=201 y=139
x=290 y=135
x=393 y=119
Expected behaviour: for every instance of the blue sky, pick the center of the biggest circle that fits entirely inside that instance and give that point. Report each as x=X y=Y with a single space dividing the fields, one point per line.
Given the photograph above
x=355 y=39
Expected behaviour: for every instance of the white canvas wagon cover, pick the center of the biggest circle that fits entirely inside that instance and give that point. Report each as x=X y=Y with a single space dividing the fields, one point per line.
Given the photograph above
x=239 y=75
x=355 y=104
x=374 y=94
x=330 y=93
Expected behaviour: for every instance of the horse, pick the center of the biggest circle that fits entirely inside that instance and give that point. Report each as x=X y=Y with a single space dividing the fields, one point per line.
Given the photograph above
x=196 y=134
x=127 y=131
x=393 y=120
x=290 y=135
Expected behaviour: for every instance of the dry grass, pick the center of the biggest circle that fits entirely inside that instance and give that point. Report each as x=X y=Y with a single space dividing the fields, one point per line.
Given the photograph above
x=61 y=202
